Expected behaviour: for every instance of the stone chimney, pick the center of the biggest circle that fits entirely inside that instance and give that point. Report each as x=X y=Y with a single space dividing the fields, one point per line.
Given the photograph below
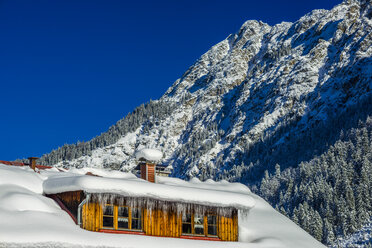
x=148 y=171
x=32 y=162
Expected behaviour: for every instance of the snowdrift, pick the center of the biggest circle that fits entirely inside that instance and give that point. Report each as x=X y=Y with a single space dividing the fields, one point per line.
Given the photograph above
x=24 y=210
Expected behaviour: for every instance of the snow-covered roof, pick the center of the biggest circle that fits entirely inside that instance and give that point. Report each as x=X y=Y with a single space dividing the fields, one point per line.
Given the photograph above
x=43 y=223
x=149 y=154
x=209 y=193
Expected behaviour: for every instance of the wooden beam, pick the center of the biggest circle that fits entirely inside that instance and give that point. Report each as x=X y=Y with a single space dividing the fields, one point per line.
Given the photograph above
x=115 y=217
x=153 y=225
x=174 y=224
x=89 y=215
x=129 y=218
x=229 y=223
x=223 y=225
x=100 y=217
x=179 y=225
x=159 y=222
x=205 y=223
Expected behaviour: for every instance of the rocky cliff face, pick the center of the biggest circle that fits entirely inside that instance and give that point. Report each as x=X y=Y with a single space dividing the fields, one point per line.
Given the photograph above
x=256 y=92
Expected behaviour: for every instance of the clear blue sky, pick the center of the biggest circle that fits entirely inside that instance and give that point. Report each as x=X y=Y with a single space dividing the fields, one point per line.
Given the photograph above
x=70 y=69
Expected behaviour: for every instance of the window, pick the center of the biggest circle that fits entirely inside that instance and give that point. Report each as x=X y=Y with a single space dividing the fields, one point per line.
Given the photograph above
x=186 y=224
x=198 y=224
x=136 y=219
x=122 y=218
x=212 y=225
x=108 y=216
x=194 y=224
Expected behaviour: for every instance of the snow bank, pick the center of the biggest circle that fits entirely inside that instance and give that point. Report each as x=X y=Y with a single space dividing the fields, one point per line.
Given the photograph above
x=149 y=154
x=22 y=176
x=21 y=199
x=264 y=225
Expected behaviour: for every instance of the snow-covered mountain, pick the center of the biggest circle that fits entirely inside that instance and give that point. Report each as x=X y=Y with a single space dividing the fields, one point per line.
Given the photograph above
x=257 y=83
x=265 y=95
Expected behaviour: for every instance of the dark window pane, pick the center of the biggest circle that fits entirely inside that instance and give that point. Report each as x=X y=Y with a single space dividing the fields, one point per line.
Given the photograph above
x=186 y=228
x=212 y=219
x=136 y=213
x=212 y=230
x=123 y=222
x=123 y=211
x=136 y=224
x=199 y=229
x=108 y=221
x=108 y=210
x=186 y=218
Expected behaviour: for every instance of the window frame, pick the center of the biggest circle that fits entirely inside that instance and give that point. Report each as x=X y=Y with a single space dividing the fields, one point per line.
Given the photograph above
x=188 y=223
x=110 y=216
x=116 y=216
x=131 y=218
x=205 y=225
x=193 y=225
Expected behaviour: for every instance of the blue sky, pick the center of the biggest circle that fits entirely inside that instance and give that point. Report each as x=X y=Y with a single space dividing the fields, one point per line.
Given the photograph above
x=70 y=69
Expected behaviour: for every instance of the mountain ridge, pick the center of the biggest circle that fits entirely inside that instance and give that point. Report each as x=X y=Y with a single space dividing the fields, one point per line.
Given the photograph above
x=221 y=76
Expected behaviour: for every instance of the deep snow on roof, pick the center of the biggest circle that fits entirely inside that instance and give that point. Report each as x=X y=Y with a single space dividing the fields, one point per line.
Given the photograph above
x=24 y=210
x=209 y=193
x=149 y=154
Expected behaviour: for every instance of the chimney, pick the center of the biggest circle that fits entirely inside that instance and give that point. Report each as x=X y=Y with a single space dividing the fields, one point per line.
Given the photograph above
x=147 y=159
x=32 y=162
x=148 y=171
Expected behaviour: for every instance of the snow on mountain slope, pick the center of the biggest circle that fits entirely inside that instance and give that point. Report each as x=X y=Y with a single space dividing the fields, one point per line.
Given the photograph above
x=250 y=85
x=29 y=219
x=360 y=239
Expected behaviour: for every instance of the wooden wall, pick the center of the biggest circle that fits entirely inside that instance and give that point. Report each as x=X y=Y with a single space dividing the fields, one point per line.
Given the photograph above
x=92 y=217
x=71 y=200
x=227 y=228
x=160 y=223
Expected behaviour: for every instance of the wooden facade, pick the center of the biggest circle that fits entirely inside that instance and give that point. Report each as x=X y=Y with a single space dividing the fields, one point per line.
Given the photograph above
x=160 y=223
x=117 y=218
x=71 y=201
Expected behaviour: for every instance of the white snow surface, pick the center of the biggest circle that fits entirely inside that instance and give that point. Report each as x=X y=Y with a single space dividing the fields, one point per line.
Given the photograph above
x=359 y=239
x=135 y=187
x=149 y=154
x=29 y=219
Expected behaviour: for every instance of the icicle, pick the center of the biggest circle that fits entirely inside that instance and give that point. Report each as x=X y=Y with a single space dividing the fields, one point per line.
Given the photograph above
x=167 y=206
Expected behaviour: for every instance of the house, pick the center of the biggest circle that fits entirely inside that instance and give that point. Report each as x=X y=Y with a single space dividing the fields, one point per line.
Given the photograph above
x=32 y=164
x=25 y=209
x=151 y=205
